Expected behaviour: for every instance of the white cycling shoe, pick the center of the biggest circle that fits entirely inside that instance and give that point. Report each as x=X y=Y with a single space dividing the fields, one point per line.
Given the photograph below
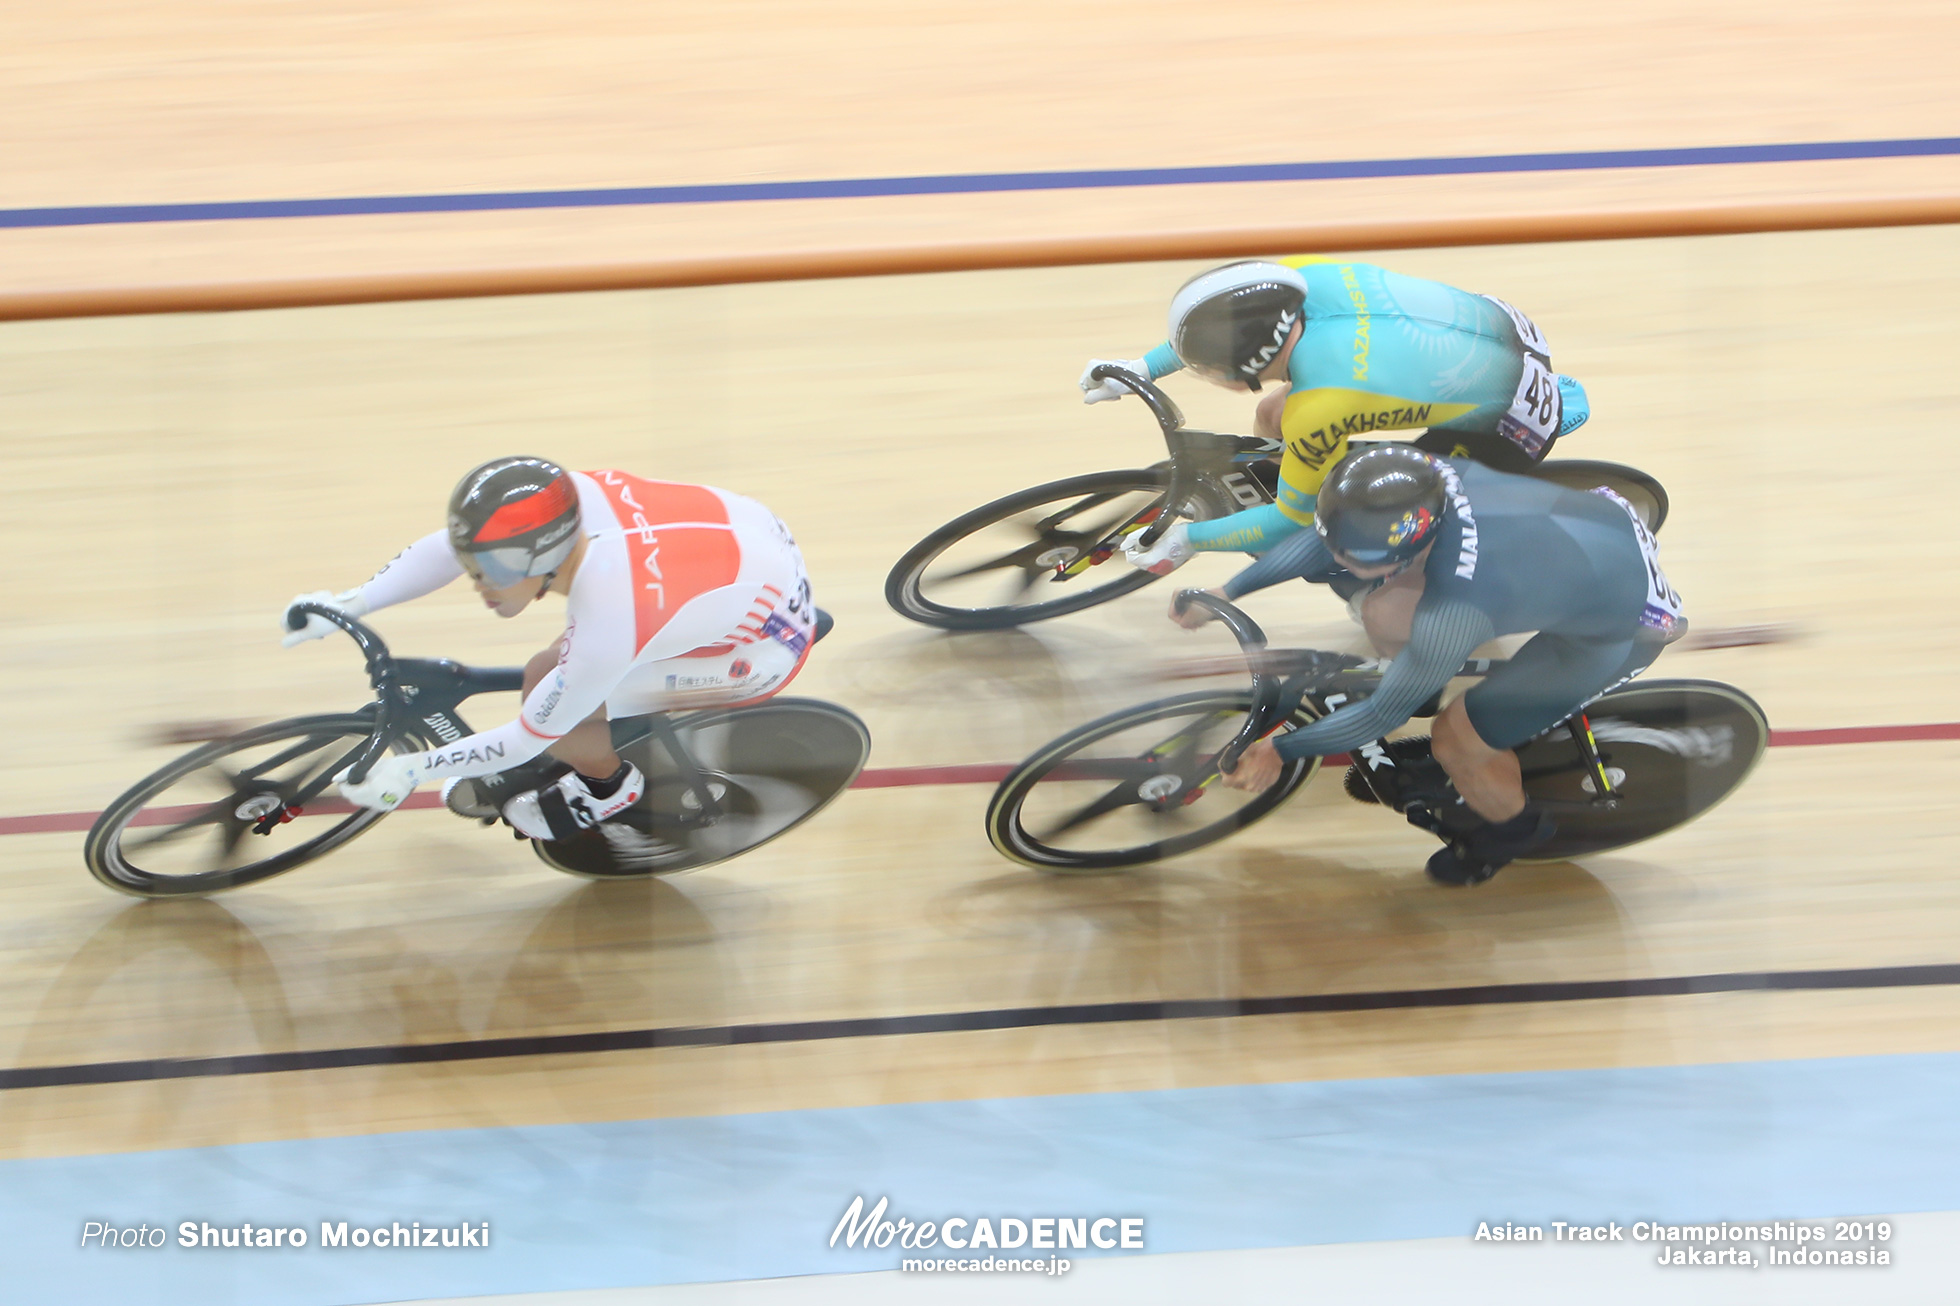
x=568 y=807
x=466 y=796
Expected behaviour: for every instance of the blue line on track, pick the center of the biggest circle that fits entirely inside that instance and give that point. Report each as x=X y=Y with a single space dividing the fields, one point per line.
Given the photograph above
x=972 y=183
x=678 y=1200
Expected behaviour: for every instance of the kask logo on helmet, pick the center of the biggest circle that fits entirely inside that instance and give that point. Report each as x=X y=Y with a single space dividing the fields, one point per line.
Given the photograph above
x=1281 y=329
x=556 y=533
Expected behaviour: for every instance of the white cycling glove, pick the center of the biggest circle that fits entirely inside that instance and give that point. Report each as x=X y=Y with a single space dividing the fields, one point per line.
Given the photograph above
x=389 y=783
x=1171 y=551
x=1094 y=391
x=352 y=602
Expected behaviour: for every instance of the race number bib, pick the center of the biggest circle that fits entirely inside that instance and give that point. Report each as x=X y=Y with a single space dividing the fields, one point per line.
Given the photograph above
x=1663 y=610
x=1538 y=407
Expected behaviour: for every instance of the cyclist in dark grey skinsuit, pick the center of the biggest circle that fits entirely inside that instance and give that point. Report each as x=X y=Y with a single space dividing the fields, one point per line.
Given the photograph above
x=1467 y=554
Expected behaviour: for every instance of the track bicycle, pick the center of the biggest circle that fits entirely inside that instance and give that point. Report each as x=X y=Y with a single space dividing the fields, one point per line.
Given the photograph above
x=719 y=781
x=1042 y=552
x=1142 y=784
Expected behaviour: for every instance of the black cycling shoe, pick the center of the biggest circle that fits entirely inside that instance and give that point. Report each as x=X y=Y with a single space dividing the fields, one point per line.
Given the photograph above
x=1478 y=854
x=1452 y=864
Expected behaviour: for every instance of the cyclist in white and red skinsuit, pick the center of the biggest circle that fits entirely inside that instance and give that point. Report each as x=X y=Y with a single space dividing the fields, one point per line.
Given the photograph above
x=676 y=596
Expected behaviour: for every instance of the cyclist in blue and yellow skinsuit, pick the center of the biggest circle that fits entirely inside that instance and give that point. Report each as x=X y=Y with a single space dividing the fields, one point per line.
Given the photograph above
x=1362 y=349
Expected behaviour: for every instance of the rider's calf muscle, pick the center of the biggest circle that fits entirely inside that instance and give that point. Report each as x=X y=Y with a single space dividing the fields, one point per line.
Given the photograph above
x=1488 y=778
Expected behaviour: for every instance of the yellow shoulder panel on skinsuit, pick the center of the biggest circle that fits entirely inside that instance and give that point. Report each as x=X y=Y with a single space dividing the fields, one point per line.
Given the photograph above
x=1299 y=485
x=1316 y=424
x=1315 y=421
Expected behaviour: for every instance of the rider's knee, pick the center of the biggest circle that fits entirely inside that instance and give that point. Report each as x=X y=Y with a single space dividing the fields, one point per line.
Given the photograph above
x=1380 y=629
x=1388 y=613
x=1453 y=739
x=1576 y=407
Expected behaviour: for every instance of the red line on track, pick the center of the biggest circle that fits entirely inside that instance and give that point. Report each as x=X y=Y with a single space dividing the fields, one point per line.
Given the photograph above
x=901 y=777
x=1864 y=735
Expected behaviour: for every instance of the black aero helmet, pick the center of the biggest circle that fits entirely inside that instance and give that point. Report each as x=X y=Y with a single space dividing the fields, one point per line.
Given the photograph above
x=1383 y=504
x=1229 y=323
x=514 y=518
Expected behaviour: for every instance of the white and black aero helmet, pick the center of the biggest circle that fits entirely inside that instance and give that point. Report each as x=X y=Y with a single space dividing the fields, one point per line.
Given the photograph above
x=1229 y=323
x=513 y=519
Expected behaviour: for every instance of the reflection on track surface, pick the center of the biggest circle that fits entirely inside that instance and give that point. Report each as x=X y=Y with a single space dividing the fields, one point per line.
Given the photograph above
x=889 y=907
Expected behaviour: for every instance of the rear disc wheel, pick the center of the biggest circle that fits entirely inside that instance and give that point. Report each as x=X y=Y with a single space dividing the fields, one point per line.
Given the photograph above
x=768 y=768
x=1648 y=497
x=1672 y=749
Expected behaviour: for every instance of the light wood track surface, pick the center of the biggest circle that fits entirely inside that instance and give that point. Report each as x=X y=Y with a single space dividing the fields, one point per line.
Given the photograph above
x=182 y=477
x=202 y=102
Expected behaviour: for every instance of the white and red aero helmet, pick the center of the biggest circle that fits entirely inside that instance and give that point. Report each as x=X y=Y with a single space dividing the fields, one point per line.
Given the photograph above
x=514 y=519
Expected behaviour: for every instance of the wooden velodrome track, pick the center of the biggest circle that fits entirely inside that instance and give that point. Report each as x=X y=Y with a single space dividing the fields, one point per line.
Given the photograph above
x=175 y=478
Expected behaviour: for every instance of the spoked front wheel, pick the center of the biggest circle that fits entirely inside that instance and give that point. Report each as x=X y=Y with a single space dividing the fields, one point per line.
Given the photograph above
x=769 y=767
x=1032 y=555
x=1134 y=787
x=1672 y=749
x=187 y=829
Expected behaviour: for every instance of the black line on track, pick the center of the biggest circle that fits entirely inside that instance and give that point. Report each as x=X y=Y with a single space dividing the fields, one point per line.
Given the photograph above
x=1100 y=1013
